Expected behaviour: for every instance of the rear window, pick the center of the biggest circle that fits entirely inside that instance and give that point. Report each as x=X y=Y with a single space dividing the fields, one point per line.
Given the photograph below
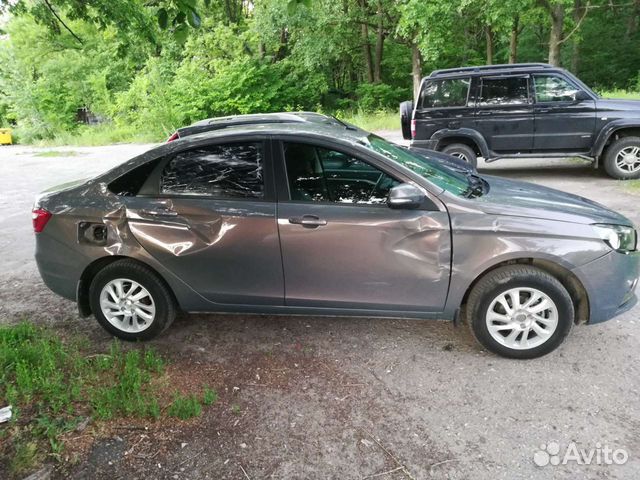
x=445 y=93
x=504 y=91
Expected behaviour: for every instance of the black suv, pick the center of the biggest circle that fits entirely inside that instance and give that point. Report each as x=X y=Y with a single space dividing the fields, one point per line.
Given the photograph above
x=522 y=110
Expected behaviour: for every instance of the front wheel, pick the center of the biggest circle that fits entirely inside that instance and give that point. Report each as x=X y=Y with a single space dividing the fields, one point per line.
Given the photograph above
x=520 y=311
x=622 y=159
x=131 y=301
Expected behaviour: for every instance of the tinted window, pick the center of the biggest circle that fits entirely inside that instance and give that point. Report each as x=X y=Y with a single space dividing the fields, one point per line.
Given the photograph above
x=550 y=88
x=445 y=93
x=317 y=174
x=226 y=171
x=504 y=91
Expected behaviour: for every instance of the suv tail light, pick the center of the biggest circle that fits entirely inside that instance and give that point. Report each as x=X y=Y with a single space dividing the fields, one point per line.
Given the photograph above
x=40 y=217
x=173 y=137
x=413 y=129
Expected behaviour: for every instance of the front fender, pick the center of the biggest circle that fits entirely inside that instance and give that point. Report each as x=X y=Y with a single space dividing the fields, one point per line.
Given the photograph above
x=608 y=130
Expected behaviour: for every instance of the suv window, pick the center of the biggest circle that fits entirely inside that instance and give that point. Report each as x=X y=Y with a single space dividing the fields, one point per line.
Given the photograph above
x=316 y=174
x=504 y=91
x=550 y=88
x=232 y=170
x=445 y=93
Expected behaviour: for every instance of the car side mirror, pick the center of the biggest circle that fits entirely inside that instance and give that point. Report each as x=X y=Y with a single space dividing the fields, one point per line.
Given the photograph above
x=405 y=196
x=581 y=96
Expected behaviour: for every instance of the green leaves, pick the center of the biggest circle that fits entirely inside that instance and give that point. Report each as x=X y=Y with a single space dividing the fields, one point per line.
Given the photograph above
x=292 y=6
x=194 y=19
x=180 y=14
x=163 y=18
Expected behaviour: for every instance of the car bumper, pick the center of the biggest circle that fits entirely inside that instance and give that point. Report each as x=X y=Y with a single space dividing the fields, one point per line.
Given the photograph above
x=428 y=144
x=58 y=265
x=610 y=281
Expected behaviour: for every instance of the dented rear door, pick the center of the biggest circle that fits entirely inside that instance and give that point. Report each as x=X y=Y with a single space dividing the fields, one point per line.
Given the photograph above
x=212 y=222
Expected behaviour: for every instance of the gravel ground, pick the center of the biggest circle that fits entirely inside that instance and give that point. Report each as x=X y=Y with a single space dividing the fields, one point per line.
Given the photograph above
x=349 y=398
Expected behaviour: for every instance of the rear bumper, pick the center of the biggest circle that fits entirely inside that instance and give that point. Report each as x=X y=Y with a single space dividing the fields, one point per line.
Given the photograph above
x=428 y=144
x=610 y=281
x=59 y=266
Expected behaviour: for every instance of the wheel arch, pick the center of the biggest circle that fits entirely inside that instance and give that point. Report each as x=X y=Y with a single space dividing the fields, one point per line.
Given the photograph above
x=466 y=136
x=91 y=270
x=613 y=132
x=575 y=287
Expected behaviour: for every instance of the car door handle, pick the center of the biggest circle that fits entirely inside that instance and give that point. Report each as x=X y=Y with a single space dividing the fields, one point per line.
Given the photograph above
x=159 y=212
x=485 y=113
x=309 y=221
x=543 y=110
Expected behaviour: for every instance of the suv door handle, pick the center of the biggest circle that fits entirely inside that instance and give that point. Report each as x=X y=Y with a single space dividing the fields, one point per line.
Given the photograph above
x=485 y=112
x=160 y=212
x=543 y=110
x=309 y=221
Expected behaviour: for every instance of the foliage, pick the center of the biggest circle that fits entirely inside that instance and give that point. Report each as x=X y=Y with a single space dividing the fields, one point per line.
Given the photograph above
x=141 y=68
x=185 y=407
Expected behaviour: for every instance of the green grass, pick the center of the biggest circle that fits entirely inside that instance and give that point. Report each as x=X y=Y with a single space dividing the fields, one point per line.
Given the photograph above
x=54 y=384
x=621 y=94
x=384 y=120
x=633 y=186
x=56 y=153
x=102 y=134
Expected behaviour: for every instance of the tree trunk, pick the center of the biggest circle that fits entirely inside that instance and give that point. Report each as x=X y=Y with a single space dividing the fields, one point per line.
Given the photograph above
x=578 y=13
x=377 y=71
x=366 y=46
x=632 y=22
x=416 y=70
x=513 y=40
x=489 y=35
x=556 y=35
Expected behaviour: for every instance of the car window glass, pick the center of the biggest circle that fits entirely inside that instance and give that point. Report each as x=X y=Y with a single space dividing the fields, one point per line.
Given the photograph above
x=445 y=93
x=130 y=183
x=504 y=91
x=316 y=174
x=550 y=88
x=225 y=171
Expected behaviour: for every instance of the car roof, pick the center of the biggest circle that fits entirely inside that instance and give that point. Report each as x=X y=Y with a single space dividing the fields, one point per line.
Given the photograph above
x=500 y=69
x=333 y=130
x=257 y=118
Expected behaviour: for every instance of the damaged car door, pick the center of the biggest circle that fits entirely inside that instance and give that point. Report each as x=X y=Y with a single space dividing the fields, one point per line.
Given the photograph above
x=344 y=247
x=208 y=214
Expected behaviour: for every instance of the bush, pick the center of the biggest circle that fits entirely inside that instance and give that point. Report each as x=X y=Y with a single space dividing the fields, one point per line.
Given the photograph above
x=380 y=96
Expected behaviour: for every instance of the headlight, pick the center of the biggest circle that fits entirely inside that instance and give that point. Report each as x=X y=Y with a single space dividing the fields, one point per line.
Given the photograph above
x=618 y=237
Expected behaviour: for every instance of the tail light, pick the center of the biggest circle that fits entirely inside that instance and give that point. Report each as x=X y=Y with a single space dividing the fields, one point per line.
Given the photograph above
x=40 y=217
x=173 y=137
x=413 y=129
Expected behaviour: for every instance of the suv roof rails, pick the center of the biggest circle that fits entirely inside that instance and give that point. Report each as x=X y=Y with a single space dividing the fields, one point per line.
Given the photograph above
x=485 y=68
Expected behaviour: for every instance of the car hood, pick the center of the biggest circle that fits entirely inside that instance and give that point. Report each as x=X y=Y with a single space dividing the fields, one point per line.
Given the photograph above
x=609 y=104
x=516 y=198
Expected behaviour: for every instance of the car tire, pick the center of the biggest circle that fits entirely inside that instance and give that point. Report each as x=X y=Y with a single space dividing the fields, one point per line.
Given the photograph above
x=463 y=152
x=143 y=305
x=539 y=328
x=622 y=158
x=406 y=112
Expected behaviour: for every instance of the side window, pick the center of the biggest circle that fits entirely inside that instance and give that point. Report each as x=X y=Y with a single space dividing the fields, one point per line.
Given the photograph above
x=317 y=174
x=129 y=184
x=550 y=88
x=445 y=93
x=231 y=170
x=504 y=91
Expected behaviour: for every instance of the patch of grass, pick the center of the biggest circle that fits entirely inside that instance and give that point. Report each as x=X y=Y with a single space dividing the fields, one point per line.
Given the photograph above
x=185 y=407
x=53 y=385
x=624 y=94
x=235 y=409
x=209 y=397
x=56 y=153
x=384 y=120
x=632 y=185
x=102 y=134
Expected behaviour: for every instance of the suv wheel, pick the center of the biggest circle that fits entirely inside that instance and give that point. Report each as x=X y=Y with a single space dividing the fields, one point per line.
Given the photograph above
x=130 y=301
x=622 y=159
x=463 y=152
x=520 y=311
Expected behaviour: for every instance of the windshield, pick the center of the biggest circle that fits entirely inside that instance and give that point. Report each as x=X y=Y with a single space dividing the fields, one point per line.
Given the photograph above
x=449 y=180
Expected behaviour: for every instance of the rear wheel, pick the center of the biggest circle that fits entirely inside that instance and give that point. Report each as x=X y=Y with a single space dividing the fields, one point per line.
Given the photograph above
x=520 y=311
x=131 y=301
x=463 y=152
x=406 y=111
x=622 y=159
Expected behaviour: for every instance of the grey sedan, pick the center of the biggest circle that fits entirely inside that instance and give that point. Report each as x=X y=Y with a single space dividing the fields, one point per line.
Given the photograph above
x=327 y=219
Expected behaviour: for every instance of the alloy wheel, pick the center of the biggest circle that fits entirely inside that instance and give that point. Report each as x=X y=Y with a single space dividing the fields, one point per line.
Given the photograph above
x=628 y=159
x=127 y=305
x=522 y=318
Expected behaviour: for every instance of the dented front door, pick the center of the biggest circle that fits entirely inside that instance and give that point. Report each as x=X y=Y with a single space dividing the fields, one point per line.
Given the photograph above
x=228 y=251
